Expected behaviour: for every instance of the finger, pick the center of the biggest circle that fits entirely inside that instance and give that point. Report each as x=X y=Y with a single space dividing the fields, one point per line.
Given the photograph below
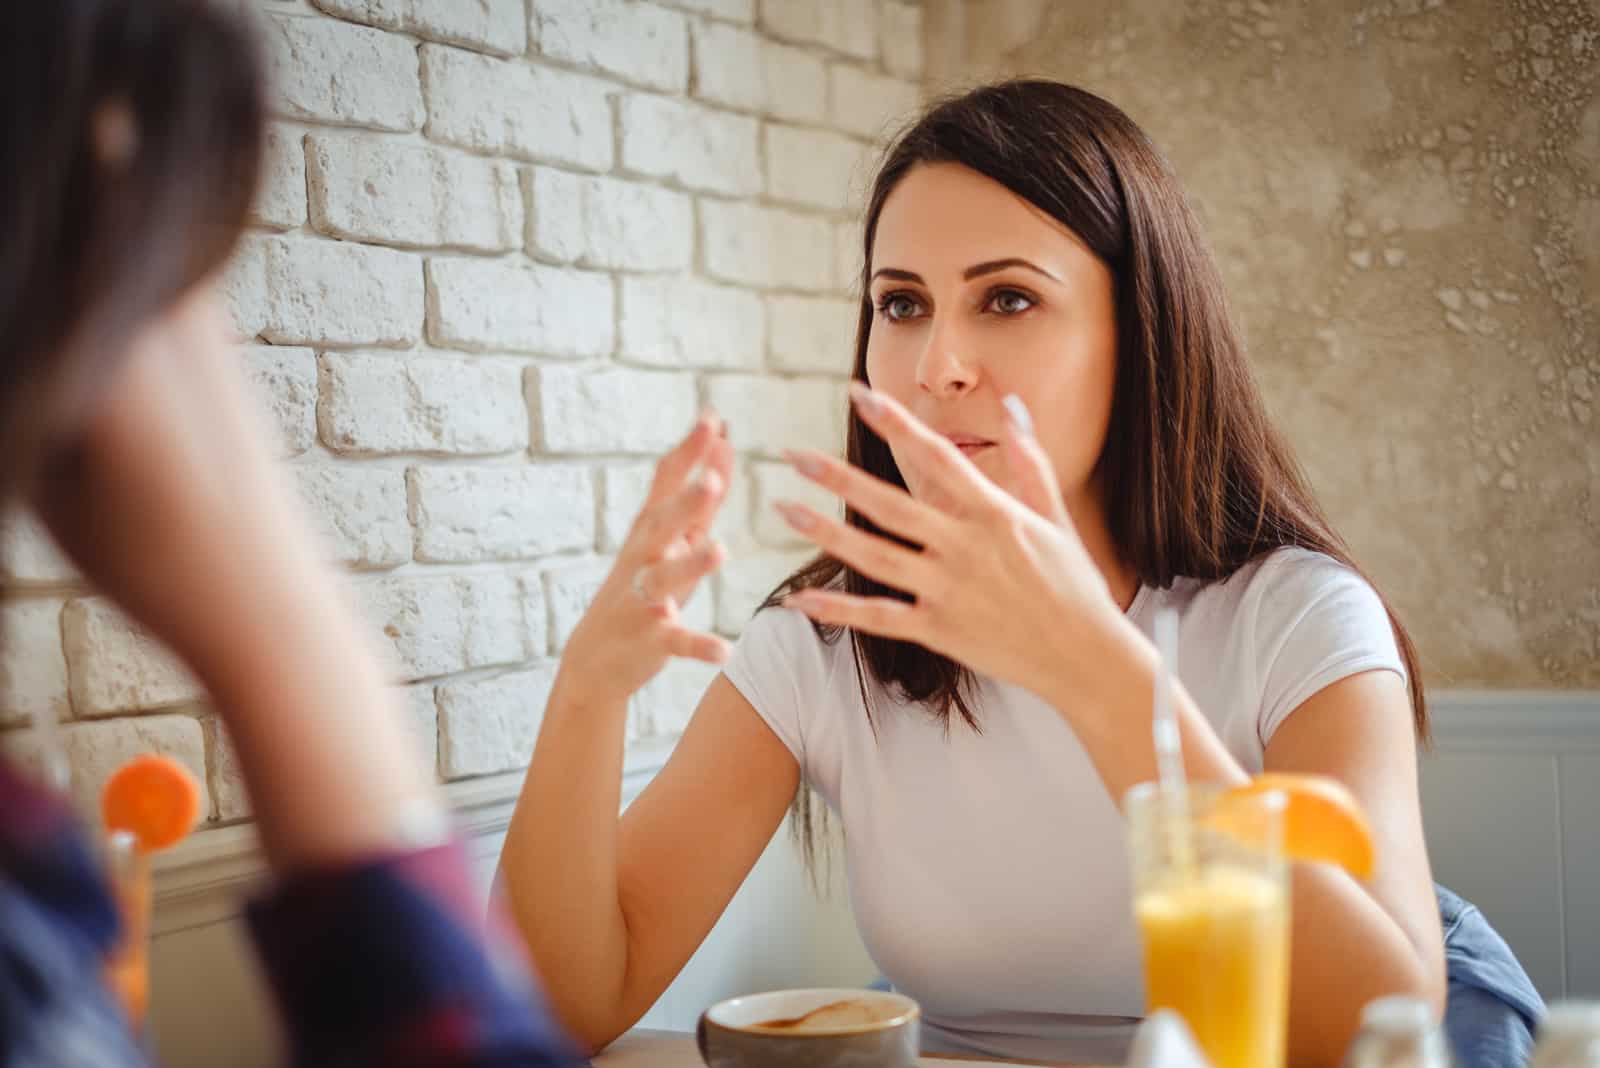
x=695 y=645
x=674 y=469
x=678 y=575
x=883 y=616
x=869 y=554
x=691 y=509
x=1033 y=480
x=889 y=507
x=719 y=459
x=932 y=455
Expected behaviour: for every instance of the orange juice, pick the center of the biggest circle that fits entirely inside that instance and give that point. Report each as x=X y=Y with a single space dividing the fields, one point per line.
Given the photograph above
x=1216 y=951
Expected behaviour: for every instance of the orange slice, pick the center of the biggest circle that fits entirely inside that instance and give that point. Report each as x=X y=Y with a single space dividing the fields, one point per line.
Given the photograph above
x=154 y=798
x=1322 y=821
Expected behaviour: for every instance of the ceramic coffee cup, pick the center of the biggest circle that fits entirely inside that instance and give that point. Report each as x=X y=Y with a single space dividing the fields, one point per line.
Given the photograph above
x=785 y=1029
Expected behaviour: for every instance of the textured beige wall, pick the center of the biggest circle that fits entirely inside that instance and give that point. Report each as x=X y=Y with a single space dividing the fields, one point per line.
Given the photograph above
x=1405 y=199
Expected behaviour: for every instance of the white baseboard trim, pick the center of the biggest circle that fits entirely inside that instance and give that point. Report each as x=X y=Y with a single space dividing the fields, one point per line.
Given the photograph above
x=205 y=879
x=1524 y=721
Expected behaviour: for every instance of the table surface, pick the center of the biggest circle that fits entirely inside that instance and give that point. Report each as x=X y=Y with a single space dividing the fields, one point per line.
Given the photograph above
x=643 y=1048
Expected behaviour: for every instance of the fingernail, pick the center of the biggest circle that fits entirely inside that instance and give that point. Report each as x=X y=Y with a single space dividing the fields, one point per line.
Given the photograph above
x=1020 y=419
x=804 y=463
x=797 y=517
x=866 y=400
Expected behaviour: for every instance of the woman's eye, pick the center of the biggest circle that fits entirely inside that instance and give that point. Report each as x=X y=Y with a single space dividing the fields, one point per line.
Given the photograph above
x=1010 y=302
x=898 y=306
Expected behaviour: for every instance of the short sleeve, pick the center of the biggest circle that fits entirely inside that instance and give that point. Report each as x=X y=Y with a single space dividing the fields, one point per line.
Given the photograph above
x=765 y=669
x=1317 y=621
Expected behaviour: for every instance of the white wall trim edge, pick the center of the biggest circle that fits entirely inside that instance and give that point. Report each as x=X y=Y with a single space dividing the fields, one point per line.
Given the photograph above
x=1478 y=720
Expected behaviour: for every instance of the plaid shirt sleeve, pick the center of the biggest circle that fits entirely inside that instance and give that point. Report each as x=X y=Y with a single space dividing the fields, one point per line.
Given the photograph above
x=395 y=963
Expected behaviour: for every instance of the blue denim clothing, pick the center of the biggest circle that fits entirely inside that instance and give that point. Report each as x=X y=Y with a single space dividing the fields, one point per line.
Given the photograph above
x=1492 y=1009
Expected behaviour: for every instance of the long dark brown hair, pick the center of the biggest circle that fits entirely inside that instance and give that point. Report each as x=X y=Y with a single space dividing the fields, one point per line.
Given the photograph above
x=130 y=138
x=1198 y=482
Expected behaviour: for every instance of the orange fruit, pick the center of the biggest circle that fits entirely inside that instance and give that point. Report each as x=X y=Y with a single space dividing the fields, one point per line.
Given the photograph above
x=154 y=798
x=1322 y=820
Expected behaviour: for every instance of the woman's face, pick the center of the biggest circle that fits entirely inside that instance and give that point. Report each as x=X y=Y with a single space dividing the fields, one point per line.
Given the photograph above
x=979 y=294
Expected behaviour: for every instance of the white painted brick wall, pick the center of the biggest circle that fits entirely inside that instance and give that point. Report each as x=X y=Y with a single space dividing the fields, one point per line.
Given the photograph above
x=115 y=666
x=747 y=244
x=369 y=188
x=495 y=26
x=812 y=333
x=646 y=411
x=464 y=514
x=503 y=107
x=640 y=43
x=294 y=291
x=520 y=307
x=361 y=512
x=847 y=26
x=815 y=168
x=490 y=725
x=334 y=72
x=687 y=322
x=869 y=104
x=775 y=482
x=373 y=404
x=609 y=223
x=502 y=252
x=704 y=149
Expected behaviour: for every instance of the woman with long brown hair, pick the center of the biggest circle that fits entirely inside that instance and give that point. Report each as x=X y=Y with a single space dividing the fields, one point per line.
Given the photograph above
x=1054 y=435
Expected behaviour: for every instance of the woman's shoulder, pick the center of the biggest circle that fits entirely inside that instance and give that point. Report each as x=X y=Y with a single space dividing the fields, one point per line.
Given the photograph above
x=1291 y=575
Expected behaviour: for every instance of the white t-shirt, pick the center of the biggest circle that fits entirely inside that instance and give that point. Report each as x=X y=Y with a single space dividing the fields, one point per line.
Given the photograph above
x=989 y=873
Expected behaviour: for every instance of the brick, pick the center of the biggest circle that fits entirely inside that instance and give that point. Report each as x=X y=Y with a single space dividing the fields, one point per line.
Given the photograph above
x=734 y=526
x=812 y=333
x=488 y=25
x=378 y=404
x=744 y=583
x=421 y=712
x=229 y=795
x=494 y=304
x=514 y=109
x=685 y=142
x=611 y=410
x=29 y=556
x=623 y=489
x=738 y=68
x=361 y=512
x=610 y=223
x=848 y=251
x=491 y=725
x=33 y=670
x=295 y=291
x=901 y=32
x=816 y=168
x=439 y=625
x=555 y=228
x=464 y=514
x=115 y=666
x=639 y=43
x=775 y=482
x=281 y=201
x=570 y=590
x=769 y=415
x=375 y=189
x=687 y=322
x=338 y=73
x=663 y=706
x=736 y=10
x=840 y=25
x=751 y=245
x=286 y=383
x=869 y=105
x=96 y=750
